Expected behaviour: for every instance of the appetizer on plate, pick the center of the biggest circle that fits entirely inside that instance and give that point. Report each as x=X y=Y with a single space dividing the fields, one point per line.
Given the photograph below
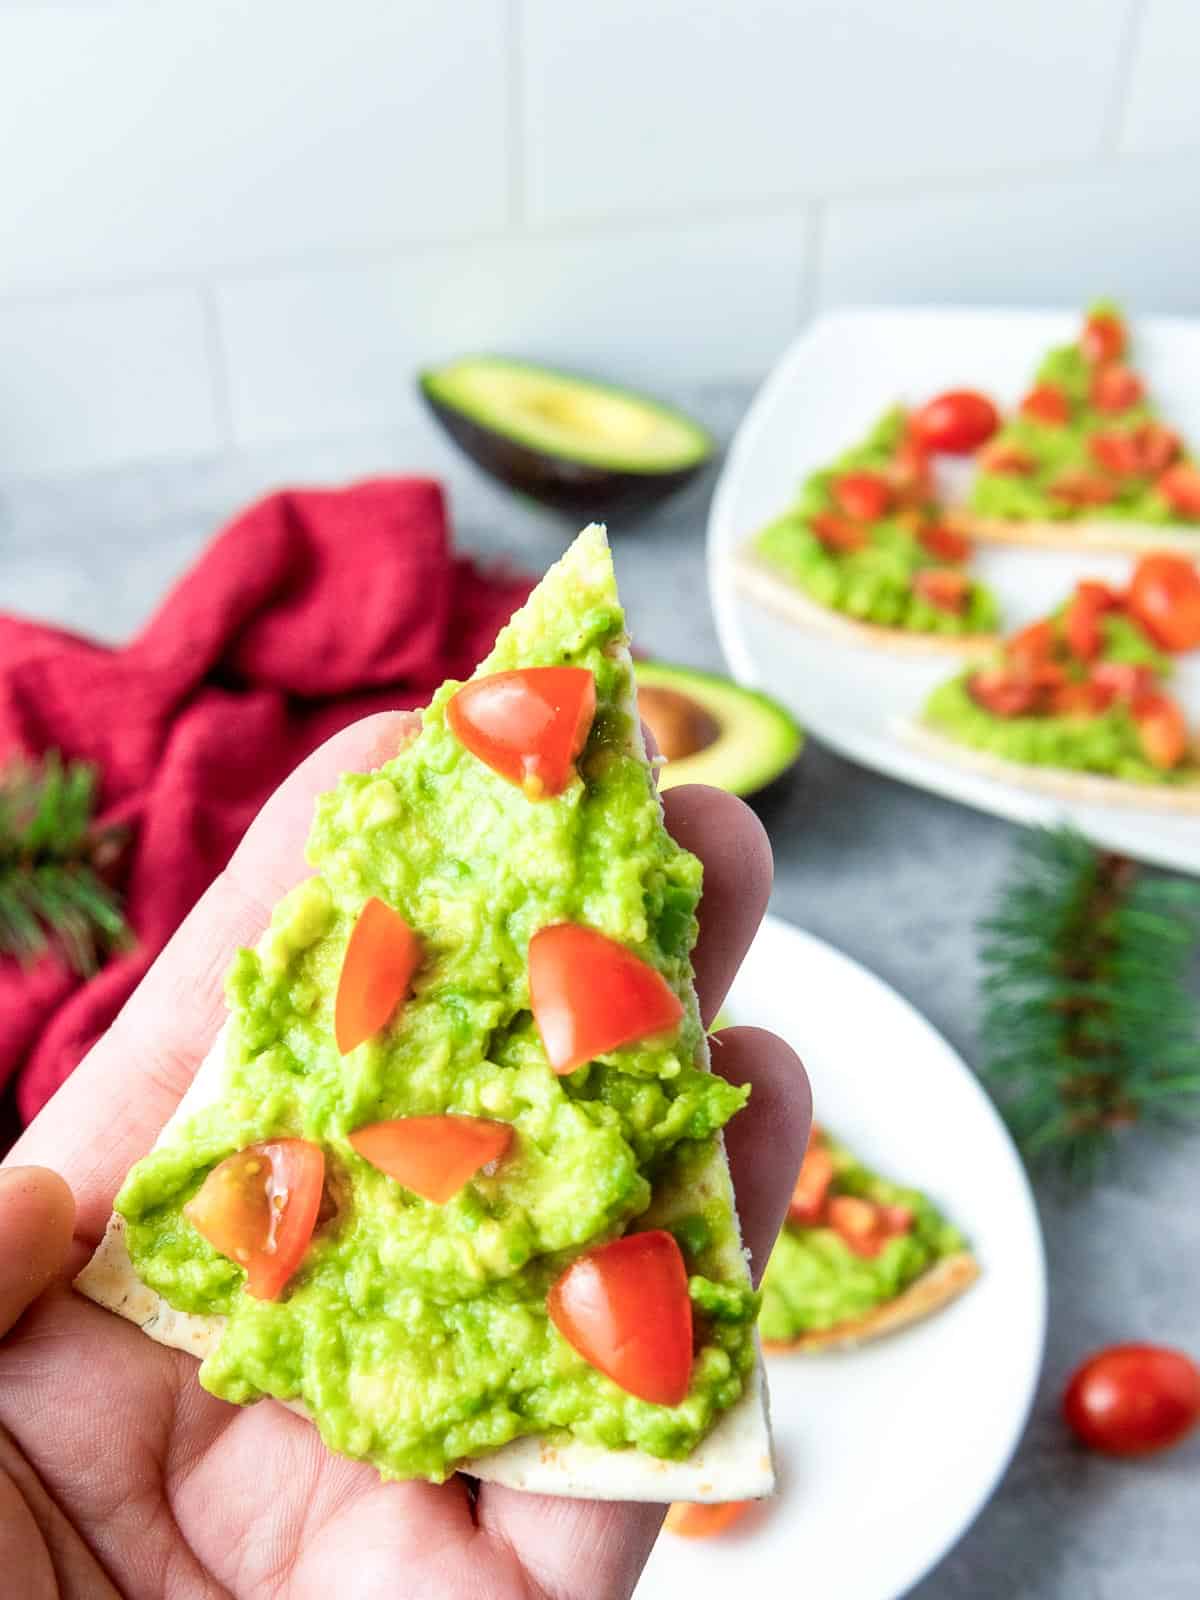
x=1086 y=459
x=1075 y=703
x=865 y=551
x=858 y=1257
x=451 y=1179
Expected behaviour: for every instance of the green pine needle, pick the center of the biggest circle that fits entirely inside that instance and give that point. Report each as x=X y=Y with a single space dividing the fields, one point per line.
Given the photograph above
x=1088 y=1022
x=52 y=891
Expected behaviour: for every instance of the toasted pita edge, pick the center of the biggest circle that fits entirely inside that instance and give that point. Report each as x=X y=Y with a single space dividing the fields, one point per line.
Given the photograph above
x=925 y=1295
x=733 y=1462
x=1091 y=533
x=1084 y=788
x=760 y=582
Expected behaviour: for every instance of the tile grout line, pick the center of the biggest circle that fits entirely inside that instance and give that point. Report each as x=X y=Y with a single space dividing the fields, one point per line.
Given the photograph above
x=514 y=55
x=1130 y=44
x=219 y=384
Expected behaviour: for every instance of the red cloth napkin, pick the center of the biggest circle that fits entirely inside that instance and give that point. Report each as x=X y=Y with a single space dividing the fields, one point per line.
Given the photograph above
x=313 y=608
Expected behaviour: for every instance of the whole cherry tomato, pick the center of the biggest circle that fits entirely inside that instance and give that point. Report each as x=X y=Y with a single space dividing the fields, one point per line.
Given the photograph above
x=956 y=422
x=1133 y=1399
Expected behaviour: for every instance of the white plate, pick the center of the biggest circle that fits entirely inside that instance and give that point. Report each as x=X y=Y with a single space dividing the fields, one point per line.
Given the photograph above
x=831 y=384
x=886 y=1454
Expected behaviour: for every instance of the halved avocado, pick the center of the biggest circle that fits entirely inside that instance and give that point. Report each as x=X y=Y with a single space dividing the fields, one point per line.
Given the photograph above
x=569 y=442
x=711 y=730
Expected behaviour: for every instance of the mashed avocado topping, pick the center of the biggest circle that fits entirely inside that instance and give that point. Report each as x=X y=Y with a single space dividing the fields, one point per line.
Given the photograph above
x=875 y=582
x=1050 y=453
x=1104 y=741
x=815 y=1281
x=416 y=1334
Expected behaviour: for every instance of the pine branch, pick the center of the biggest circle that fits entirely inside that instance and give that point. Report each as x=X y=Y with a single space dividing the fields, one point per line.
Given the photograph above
x=52 y=864
x=1088 y=1023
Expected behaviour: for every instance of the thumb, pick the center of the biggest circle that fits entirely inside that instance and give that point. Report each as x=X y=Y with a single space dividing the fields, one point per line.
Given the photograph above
x=37 y=1214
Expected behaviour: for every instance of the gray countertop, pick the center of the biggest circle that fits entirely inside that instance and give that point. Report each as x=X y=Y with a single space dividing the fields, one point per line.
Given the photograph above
x=892 y=875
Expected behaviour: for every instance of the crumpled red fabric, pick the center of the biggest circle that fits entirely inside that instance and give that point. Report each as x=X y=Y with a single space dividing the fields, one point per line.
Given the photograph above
x=312 y=608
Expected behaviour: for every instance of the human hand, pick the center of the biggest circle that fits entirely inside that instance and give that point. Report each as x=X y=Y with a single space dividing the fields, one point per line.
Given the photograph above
x=119 y=1475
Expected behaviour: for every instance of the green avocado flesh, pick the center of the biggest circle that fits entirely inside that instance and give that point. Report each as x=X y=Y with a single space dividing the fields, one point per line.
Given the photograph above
x=1104 y=743
x=744 y=739
x=1058 y=448
x=814 y=1281
x=874 y=584
x=417 y=1334
x=572 y=418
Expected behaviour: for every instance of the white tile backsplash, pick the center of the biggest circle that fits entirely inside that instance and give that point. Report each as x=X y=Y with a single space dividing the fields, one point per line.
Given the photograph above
x=646 y=110
x=139 y=139
x=1162 y=111
x=336 y=349
x=1057 y=240
x=652 y=192
x=90 y=382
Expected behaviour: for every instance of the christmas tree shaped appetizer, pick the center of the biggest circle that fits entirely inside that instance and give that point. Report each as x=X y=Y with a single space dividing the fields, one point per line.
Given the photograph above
x=1087 y=460
x=1074 y=704
x=452 y=1180
x=865 y=553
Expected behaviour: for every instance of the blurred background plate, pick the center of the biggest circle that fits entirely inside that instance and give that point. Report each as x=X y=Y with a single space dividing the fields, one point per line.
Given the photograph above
x=887 y=1453
x=823 y=395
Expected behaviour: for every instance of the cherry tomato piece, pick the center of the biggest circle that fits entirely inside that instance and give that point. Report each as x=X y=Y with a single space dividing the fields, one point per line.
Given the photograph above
x=1082 y=620
x=945 y=588
x=1115 y=389
x=529 y=725
x=865 y=496
x=1164 y=596
x=624 y=1307
x=1002 y=692
x=1162 y=731
x=1007 y=458
x=1103 y=337
x=838 y=533
x=703 y=1522
x=947 y=544
x=1046 y=402
x=956 y=422
x=1132 y=1399
x=908 y=473
x=1118 y=453
x=433 y=1156
x=812 y=1185
x=259 y=1208
x=1157 y=447
x=1078 y=487
x=1180 y=487
x=377 y=969
x=1032 y=646
x=1122 y=680
x=590 y=995
x=857 y=1223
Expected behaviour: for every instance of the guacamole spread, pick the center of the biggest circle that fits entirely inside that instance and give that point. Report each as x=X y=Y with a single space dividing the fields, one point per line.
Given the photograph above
x=417 y=1334
x=821 y=1276
x=869 y=567
x=1072 y=451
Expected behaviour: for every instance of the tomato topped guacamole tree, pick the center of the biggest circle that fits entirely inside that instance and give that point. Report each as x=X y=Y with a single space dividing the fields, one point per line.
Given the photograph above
x=1086 y=458
x=452 y=1180
x=865 y=549
x=1075 y=702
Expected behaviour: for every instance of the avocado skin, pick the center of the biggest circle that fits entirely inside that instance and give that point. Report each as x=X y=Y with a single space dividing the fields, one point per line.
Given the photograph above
x=777 y=738
x=575 y=487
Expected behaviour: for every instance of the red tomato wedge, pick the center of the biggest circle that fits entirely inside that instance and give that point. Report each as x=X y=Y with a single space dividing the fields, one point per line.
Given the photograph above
x=259 y=1208
x=1032 y=646
x=1164 y=596
x=1162 y=731
x=945 y=543
x=1157 y=447
x=1084 y=699
x=381 y=957
x=1118 y=453
x=838 y=533
x=1103 y=337
x=1082 y=619
x=956 y=422
x=1078 y=487
x=857 y=1223
x=1180 y=487
x=945 y=588
x=702 y=1522
x=908 y=473
x=865 y=496
x=590 y=995
x=1046 y=402
x=625 y=1308
x=529 y=726
x=812 y=1185
x=1122 y=680
x=433 y=1156
x=1132 y=1399
x=1003 y=693
x=1006 y=458
x=1115 y=389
